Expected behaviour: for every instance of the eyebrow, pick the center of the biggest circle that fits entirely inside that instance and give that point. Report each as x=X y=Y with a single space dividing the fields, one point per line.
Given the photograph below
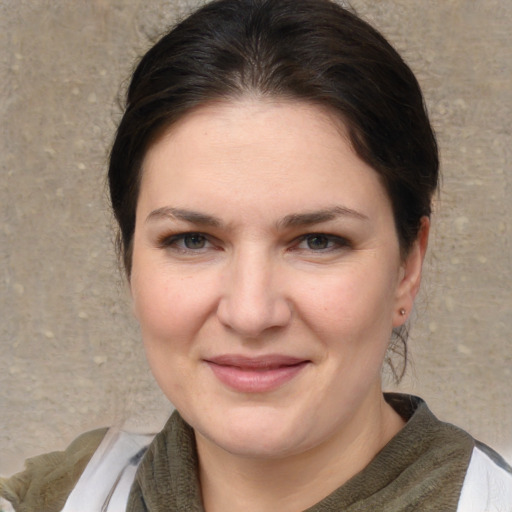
x=292 y=220
x=316 y=217
x=185 y=215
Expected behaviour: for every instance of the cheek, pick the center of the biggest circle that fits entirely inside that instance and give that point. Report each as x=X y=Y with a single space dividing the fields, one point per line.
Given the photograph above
x=171 y=310
x=353 y=305
x=169 y=307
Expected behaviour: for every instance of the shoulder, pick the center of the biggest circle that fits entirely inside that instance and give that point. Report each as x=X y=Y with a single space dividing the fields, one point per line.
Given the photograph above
x=106 y=481
x=488 y=482
x=47 y=479
x=94 y=473
x=454 y=465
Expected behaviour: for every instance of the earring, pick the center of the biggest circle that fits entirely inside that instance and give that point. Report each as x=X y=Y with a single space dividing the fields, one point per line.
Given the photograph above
x=402 y=311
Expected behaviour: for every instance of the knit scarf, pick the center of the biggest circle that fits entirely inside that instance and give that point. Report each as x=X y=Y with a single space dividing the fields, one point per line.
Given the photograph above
x=421 y=468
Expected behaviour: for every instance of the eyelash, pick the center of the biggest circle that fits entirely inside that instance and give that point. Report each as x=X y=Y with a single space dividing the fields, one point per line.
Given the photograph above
x=178 y=241
x=335 y=242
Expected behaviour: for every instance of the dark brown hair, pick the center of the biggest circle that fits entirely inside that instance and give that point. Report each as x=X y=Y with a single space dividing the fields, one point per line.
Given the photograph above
x=308 y=50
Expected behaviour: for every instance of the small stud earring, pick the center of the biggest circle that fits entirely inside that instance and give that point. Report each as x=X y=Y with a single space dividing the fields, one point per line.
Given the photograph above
x=402 y=311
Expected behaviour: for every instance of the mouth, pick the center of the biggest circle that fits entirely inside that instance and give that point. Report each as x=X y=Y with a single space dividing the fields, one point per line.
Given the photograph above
x=255 y=374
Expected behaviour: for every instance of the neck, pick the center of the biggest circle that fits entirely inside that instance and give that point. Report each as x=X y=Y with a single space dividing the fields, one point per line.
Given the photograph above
x=298 y=481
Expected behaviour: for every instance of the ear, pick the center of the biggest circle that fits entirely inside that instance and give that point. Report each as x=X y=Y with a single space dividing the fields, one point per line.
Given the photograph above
x=410 y=275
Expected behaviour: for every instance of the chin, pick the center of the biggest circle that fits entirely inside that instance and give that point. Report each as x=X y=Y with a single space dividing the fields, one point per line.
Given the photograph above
x=256 y=432
x=256 y=444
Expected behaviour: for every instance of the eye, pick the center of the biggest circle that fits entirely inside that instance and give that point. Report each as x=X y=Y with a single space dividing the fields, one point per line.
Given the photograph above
x=194 y=241
x=319 y=242
x=186 y=242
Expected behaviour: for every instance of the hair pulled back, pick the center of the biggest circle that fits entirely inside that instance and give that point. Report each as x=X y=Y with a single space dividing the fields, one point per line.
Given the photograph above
x=307 y=50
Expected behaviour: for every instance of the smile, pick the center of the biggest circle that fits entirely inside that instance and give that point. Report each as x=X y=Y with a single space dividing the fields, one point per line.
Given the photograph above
x=255 y=375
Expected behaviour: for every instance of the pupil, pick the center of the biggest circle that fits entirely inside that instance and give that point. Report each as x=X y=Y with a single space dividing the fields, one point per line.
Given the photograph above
x=194 y=241
x=318 y=242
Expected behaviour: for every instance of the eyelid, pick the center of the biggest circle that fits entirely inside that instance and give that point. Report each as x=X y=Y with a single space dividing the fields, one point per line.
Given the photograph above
x=337 y=242
x=170 y=241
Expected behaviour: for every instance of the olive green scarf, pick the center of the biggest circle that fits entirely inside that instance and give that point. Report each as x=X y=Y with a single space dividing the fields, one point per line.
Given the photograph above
x=421 y=468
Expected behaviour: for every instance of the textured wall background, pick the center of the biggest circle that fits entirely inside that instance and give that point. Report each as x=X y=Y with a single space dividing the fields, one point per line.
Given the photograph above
x=71 y=356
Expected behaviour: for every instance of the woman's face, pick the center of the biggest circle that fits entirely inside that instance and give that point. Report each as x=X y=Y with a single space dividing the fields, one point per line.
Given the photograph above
x=266 y=276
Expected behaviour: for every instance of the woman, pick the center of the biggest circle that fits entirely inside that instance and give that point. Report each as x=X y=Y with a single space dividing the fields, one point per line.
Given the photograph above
x=272 y=177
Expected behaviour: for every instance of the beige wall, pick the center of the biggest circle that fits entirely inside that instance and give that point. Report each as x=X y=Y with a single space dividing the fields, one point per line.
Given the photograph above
x=71 y=355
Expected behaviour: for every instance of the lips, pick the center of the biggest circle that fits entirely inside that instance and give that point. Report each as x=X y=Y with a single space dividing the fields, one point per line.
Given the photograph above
x=255 y=374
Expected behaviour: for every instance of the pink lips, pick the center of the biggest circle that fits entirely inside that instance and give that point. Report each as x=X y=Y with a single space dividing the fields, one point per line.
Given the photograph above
x=255 y=375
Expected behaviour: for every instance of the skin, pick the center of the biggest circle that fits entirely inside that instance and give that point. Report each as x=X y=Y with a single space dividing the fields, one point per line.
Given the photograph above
x=262 y=275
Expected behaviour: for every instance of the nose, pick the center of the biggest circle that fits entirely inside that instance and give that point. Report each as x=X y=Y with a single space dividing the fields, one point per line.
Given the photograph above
x=253 y=300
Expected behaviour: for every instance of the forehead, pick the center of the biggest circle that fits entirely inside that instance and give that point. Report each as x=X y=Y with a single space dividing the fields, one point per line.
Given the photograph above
x=251 y=150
